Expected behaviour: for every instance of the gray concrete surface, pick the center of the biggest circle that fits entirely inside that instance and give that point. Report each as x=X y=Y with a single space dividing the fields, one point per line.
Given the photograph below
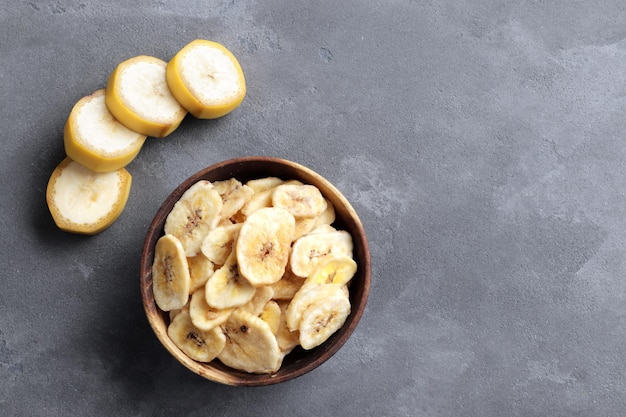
x=481 y=142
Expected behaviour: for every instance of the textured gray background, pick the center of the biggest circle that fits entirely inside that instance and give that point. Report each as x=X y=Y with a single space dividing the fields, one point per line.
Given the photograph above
x=481 y=141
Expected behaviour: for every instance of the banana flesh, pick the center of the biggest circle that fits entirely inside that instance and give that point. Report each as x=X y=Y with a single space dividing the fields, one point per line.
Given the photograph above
x=84 y=201
x=95 y=139
x=206 y=79
x=138 y=96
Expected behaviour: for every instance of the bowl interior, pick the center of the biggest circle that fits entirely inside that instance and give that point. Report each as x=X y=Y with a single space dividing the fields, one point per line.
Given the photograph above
x=298 y=362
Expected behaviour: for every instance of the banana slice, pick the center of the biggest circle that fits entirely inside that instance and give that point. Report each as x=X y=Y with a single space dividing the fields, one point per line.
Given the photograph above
x=314 y=249
x=263 y=192
x=234 y=195
x=256 y=303
x=95 y=139
x=257 y=201
x=173 y=313
x=206 y=79
x=138 y=96
x=304 y=298
x=263 y=245
x=300 y=200
x=323 y=228
x=219 y=243
x=250 y=344
x=196 y=213
x=304 y=226
x=199 y=345
x=323 y=318
x=287 y=339
x=263 y=184
x=338 y=271
x=287 y=286
x=170 y=274
x=203 y=316
x=227 y=287
x=84 y=201
x=327 y=217
x=271 y=315
x=200 y=269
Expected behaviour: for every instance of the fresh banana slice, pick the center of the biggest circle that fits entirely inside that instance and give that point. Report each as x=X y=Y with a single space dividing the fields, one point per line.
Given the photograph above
x=271 y=315
x=287 y=339
x=338 y=270
x=263 y=184
x=170 y=274
x=206 y=79
x=300 y=200
x=256 y=304
x=312 y=250
x=219 y=243
x=263 y=245
x=199 y=345
x=323 y=318
x=84 y=201
x=196 y=213
x=287 y=286
x=95 y=139
x=250 y=344
x=138 y=96
x=234 y=195
x=200 y=269
x=203 y=316
x=227 y=287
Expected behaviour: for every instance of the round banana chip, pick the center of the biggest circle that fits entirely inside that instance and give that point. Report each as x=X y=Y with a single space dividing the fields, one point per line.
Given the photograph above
x=316 y=248
x=199 y=345
x=227 y=287
x=194 y=215
x=200 y=269
x=323 y=318
x=250 y=344
x=300 y=200
x=263 y=245
x=170 y=274
x=203 y=316
x=219 y=242
x=258 y=301
x=271 y=315
x=287 y=339
x=339 y=271
x=305 y=297
x=234 y=195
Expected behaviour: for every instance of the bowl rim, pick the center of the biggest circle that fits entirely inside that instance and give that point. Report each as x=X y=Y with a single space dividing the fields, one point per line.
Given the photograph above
x=216 y=372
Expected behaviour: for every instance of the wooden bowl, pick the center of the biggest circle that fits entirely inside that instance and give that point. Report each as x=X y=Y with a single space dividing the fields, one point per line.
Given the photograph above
x=299 y=361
